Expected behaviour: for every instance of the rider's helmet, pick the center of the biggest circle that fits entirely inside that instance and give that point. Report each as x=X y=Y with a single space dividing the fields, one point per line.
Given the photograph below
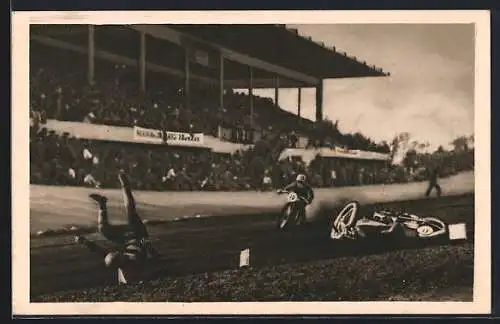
x=113 y=259
x=301 y=178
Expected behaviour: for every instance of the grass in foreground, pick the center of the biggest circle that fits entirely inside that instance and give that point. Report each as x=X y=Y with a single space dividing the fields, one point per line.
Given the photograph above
x=418 y=275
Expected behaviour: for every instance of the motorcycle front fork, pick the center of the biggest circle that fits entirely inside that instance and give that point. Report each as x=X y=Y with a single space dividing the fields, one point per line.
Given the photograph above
x=302 y=216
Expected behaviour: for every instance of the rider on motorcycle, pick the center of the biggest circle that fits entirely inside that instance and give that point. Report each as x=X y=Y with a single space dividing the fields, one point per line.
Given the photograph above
x=303 y=190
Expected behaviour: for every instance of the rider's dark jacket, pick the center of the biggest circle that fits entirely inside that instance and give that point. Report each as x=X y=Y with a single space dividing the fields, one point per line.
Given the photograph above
x=136 y=249
x=433 y=175
x=301 y=189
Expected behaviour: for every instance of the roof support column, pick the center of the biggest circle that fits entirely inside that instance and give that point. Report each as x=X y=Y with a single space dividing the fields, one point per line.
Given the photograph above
x=142 y=61
x=250 y=96
x=276 y=91
x=91 y=54
x=319 y=101
x=299 y=101
x=187 y=95
x=221 y=81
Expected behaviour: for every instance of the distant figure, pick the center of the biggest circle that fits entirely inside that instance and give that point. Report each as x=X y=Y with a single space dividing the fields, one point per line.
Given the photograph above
x=433 y=182
x=132 y=239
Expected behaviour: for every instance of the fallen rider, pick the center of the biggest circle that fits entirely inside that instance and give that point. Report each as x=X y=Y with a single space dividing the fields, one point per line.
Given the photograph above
x=133 y=245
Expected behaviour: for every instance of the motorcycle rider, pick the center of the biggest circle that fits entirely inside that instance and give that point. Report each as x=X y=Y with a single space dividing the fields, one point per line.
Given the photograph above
x=303 y=190
x=132 y=241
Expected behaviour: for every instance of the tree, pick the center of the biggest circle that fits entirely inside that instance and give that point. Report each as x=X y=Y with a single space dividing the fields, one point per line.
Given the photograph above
x=421 y=147
x=460 y=144
x=399 y=145
x=411 y=158
x=384 y=147
x=470 y=141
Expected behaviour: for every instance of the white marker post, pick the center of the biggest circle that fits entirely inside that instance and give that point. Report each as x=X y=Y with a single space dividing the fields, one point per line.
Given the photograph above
x=121 y=277
x=245 y=258
x=457 y=232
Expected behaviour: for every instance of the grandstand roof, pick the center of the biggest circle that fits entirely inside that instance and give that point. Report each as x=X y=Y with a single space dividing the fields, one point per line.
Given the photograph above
x=275 y=45
x=280 y=45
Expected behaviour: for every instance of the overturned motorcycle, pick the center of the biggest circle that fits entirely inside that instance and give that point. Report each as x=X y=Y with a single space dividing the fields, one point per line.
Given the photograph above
x=350 y=224
x=293 y=213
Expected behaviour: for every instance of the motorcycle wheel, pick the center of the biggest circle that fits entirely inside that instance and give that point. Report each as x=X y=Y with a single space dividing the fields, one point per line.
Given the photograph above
x=285 y=219
x=345 y=218
x=433 y=227
x=347 y=214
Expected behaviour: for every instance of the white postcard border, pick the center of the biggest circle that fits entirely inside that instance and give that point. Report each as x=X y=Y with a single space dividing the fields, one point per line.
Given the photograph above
x=20 y=162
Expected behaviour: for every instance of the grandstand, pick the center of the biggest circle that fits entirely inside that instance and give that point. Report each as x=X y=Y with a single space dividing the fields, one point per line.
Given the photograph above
x=158 y=100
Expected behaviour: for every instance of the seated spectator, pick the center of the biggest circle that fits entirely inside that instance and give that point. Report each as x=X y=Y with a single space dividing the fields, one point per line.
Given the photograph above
x=267 y=182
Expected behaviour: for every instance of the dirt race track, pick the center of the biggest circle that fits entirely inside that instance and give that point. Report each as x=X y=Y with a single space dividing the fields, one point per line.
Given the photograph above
x=53 y=207
x=212 y=244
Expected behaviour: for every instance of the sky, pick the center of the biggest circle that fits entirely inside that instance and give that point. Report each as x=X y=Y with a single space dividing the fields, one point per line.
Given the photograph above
x=430 y=92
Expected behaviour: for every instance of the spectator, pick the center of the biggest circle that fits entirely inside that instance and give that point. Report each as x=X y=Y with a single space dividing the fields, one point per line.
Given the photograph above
x=433 y=181
x=333 y=178
x=267 y=182
x=169 y=179
x=72 y=177
x=87 y=155
x=89 y=180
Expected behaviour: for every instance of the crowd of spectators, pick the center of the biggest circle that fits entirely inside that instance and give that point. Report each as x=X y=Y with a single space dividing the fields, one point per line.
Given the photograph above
x=65 y=160
x=59 y=89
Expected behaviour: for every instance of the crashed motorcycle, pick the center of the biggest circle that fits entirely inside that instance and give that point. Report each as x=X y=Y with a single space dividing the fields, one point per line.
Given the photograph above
x=293 y=213
x=349 y=224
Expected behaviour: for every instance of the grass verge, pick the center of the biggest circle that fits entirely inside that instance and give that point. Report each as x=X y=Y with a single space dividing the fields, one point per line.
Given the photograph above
x=429 y=274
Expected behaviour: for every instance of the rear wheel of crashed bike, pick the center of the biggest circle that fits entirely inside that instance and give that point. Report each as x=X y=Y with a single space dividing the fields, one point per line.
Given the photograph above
x=286 y=219
x=432 y=227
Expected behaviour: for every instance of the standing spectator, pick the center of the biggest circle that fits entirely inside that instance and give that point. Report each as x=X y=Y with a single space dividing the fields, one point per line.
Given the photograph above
x=333 y=177
x=184 y=180
x=293 y=140
x=433 y=181
x=361 y=176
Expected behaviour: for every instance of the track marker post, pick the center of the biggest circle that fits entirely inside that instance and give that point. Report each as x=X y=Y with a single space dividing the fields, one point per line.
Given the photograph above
x=457 y=232
x=245 y=258
x=121 y=277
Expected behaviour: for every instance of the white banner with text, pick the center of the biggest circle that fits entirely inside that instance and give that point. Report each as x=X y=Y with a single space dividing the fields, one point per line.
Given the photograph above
x=170 y=138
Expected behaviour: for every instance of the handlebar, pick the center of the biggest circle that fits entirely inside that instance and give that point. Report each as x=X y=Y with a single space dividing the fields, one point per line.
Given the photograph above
x=281 y=191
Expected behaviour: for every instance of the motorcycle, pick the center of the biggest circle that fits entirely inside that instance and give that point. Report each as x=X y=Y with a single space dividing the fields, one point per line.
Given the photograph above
x=293 y=213
x=349 y=225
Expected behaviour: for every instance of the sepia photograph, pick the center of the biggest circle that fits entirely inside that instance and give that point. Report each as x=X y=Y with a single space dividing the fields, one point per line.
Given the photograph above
x=218 y=163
